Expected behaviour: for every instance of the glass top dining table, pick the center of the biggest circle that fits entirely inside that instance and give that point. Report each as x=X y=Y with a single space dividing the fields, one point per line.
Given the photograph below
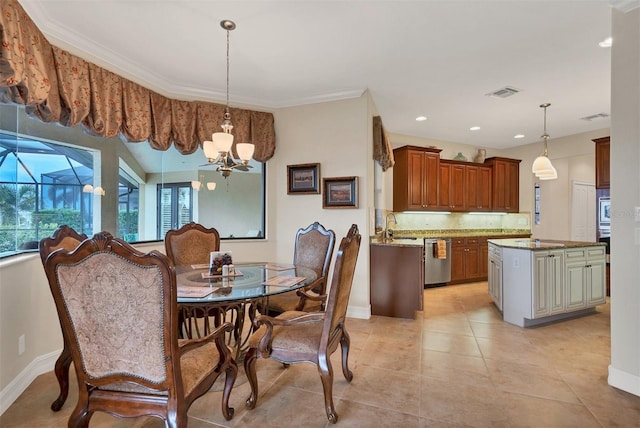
x=206 y=301
x=252 y=281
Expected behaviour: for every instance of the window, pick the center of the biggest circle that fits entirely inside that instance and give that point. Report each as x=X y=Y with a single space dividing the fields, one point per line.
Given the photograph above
x=536 y=193
x=44 y=167
x=40 y=189
x=175 y=207
x=128 y=207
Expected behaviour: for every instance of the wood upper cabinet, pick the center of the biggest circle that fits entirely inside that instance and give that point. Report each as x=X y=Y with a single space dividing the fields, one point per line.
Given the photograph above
x=505 y=184
x=451 y=192
x=424 y=182
x=477 y=188
x=602 y=162
x=415 y=178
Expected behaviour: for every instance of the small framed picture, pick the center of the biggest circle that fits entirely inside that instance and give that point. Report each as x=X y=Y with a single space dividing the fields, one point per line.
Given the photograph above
x=340 y=192
x=303 y=179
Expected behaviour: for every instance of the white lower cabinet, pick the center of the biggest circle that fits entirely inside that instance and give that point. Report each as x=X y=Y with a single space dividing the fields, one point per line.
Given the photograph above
x=586 y=277
x=494 y=274
x=535 y=286
x=548 y=283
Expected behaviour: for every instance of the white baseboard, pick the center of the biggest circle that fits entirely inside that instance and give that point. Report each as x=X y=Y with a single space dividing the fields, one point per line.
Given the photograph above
x=624 y=381
x=361 y=312
x=41 y=364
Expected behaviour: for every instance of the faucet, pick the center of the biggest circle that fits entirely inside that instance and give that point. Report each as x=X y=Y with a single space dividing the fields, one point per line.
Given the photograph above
x=388 y=234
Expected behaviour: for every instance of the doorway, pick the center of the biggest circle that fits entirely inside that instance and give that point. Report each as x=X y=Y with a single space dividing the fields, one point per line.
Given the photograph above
x=583 y=211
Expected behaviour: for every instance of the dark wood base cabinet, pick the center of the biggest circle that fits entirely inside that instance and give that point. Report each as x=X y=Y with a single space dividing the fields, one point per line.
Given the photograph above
x=397 y=280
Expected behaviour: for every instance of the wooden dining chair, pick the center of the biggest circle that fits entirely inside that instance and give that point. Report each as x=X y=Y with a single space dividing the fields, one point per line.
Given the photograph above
x=313 y=249
x=191 y=244
x=118 y=309
x=297 y=337
x=68 y=239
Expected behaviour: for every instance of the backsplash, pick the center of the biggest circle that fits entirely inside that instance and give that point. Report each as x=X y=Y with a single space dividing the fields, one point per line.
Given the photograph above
x=520 y=222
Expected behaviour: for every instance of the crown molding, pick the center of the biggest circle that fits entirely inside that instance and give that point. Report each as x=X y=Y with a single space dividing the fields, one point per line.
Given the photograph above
x=77 y=44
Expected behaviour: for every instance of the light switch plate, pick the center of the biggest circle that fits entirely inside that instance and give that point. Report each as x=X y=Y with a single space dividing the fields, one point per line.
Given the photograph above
x=637 y=214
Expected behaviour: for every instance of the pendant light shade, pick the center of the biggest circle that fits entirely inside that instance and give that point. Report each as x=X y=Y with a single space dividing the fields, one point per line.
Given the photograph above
x=542 y=166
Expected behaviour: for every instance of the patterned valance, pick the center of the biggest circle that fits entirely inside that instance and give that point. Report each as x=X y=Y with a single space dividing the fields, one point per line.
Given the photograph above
x=382 y=150
x=56 y=86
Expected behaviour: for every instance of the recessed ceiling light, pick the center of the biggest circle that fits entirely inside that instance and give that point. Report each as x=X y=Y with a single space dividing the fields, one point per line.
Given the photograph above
x=421 y=118
x=518 y=136
x=606 y=43
x=474 y=128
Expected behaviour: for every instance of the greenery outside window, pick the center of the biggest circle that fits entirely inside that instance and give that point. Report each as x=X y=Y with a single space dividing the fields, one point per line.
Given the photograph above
x=41 y=188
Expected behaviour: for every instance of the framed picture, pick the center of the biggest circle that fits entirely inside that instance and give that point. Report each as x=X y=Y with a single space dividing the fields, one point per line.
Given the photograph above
x=604 y=217
x=340 y=192
x=303 y=179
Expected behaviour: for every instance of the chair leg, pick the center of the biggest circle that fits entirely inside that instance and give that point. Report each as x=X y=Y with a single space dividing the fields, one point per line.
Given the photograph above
x=62 y=374
x=230 y=378
x=326 y=376
x=81 y=415
x=250 y=371
x=345 y=343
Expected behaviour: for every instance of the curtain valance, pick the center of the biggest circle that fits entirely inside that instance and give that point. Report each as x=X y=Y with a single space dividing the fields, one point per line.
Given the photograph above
x=56 y=86
x=382 y=150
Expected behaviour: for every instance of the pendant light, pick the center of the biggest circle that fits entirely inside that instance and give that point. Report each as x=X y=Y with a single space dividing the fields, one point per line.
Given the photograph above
x=218 y=150
x=542 y=167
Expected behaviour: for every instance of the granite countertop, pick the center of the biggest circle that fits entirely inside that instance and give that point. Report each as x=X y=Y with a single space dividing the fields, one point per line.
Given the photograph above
x=399 y=242
x=415 y=237
x=542 y=244
x=460 y=233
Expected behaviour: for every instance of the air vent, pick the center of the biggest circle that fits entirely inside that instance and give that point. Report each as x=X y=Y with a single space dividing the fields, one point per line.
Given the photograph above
x=595 y=117
x=505 y=92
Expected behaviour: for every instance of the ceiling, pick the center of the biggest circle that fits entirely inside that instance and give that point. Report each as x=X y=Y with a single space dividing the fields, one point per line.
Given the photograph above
x=437 y=59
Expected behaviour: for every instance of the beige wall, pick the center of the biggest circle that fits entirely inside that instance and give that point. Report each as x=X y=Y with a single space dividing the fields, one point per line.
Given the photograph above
x=624 y=371
x=574 y=159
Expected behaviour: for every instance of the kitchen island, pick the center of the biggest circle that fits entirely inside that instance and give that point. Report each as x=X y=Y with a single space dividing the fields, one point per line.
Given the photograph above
x=537 y=281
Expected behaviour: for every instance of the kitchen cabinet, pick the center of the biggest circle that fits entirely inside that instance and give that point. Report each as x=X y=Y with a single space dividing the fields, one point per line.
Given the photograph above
x=548 y=283
x=464 y=186
x=396 y=279
x=465 y=260
x=505 y=184
x=477 y=185
x=602 y=162
x=415 y=178
x=424 y=182
x=586 y=277
x=494 y=282
x=451 y=189
x=545 y=281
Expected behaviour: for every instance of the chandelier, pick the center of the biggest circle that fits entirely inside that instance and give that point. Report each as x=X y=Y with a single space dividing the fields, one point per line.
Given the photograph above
x=218 y=150
x=542 y=167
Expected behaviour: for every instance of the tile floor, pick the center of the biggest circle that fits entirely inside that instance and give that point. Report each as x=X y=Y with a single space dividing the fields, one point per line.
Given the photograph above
x=458 y=365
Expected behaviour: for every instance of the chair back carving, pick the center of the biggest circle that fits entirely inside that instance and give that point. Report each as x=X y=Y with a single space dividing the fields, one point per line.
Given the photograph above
x=88 y=284
x=118 y=309
x=191 y=244
x=313 y=249
x=63 y=237
x=341 y=282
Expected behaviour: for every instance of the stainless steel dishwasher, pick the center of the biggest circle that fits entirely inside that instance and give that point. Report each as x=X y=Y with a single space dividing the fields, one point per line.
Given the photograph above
x=437 y=271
